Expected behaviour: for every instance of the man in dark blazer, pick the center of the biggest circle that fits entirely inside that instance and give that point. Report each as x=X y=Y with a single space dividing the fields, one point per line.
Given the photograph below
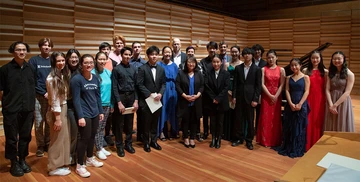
x=206 y=66
x=177 y=56
x=259 y=51
x=150 y=80
x=217 y=84
x=246 y=93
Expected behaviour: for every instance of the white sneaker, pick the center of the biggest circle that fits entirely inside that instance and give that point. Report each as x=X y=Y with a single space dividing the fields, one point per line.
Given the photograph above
x=100 y=155
x=81 y=171
x=107 y=153
x=59 y=172
x=91 y=161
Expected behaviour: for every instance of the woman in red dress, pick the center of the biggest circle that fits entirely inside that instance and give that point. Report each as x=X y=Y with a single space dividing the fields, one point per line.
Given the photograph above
x=316 y=99
x=269 y=127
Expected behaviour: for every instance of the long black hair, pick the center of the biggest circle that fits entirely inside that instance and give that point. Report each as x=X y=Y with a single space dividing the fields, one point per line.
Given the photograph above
x=97 y=71
x=333 y=69
x=321 y=66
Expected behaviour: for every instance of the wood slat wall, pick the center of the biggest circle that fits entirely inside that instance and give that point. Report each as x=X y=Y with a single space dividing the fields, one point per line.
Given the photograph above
x=295 y=37
x=84 y=24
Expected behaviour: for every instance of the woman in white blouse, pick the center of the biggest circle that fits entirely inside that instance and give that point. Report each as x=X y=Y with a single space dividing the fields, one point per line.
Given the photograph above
x=57 y=85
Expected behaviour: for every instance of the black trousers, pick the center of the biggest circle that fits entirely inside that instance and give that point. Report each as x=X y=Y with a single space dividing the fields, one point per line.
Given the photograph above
x=86 y=138
x=17 y=124
x=244 y=121
x=189 y=121
x=73 y=123
x=139 y=125
x=205 y=123
x=123 y=123
x=217 y=123
x=150 y=125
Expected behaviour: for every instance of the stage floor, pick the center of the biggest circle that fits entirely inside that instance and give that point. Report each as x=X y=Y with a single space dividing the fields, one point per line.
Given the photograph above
x=173 y=163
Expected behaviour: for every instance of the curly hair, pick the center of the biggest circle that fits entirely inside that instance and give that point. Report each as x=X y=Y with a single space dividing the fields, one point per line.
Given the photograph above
x=333 y=69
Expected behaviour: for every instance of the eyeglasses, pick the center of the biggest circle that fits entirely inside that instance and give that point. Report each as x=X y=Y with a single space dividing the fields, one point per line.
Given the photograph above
x=74 y=57
x=20 y=50
x=88 y=63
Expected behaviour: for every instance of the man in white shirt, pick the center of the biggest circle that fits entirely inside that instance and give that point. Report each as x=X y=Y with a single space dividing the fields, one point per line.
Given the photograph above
x=177 y=57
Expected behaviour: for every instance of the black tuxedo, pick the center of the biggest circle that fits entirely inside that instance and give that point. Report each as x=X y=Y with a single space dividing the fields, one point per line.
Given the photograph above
x=189 y=114
x=146 y=85
x=217 y=89
x=246 y=91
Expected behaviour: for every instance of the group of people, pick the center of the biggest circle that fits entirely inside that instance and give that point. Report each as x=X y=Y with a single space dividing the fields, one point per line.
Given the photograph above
x=74 y=100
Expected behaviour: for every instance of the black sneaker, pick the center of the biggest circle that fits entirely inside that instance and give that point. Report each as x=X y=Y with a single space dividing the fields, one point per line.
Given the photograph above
x=24 y=166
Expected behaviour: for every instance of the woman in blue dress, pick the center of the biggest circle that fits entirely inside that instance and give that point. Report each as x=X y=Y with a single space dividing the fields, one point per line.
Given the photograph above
x=296 y=112
x=169 y=99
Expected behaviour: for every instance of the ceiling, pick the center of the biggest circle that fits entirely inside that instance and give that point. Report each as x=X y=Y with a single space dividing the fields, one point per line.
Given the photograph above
x=247 y=9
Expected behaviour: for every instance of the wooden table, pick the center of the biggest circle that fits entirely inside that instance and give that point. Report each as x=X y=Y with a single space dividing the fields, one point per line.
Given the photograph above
x=342 y=143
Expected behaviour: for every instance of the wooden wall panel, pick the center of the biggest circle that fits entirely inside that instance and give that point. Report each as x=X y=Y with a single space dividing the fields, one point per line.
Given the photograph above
x=129 y=19
x=157 y=26
x=241 y=33
x=11 y=29
x=94 y=24
x=181 y=25
x=200 y=32
x=49 y=19
x=337 y=30
x=354 y=56
x=281 y=39
x=306 y=35
x=259 y=33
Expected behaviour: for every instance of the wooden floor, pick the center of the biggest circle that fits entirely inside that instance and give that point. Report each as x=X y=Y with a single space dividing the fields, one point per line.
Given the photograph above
x=174 y=163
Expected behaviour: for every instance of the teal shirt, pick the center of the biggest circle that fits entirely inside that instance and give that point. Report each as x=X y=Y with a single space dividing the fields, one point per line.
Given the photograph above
x=105 y=87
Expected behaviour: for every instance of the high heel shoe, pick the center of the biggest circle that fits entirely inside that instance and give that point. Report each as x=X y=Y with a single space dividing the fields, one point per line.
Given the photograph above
x=186 y=143
x=192 y=145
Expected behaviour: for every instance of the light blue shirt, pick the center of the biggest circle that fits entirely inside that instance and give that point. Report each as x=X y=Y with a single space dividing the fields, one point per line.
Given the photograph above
x=105 y=87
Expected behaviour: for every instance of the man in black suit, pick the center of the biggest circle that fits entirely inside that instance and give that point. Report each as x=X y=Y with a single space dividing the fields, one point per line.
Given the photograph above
x=259 y=51
x=246 y=93
x=151 y=81
x=206 y=66
x=177 y=56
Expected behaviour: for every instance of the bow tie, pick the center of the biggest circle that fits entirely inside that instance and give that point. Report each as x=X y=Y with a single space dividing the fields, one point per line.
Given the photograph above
x=153 y=66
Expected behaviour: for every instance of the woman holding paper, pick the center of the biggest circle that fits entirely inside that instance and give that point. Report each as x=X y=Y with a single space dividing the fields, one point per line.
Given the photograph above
x=190 y=85
x=104 y=76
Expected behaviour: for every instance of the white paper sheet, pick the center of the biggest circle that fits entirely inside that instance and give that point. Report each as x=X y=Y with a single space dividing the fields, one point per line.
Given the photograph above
x=153 y=105
x=128 y=110
x=336 y=173
x=231 y=105
x=331 y=158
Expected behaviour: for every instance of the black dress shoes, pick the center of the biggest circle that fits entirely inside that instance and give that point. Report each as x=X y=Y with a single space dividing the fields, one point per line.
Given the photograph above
x=237 y=142
x=120 y=151
x=147 y=147
x=218 y=143
x=24 y=166
x=129 y=149
x=15 y=169
x=249 y=146
x=206 y=134
x=213 y=141
x=155 y=145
